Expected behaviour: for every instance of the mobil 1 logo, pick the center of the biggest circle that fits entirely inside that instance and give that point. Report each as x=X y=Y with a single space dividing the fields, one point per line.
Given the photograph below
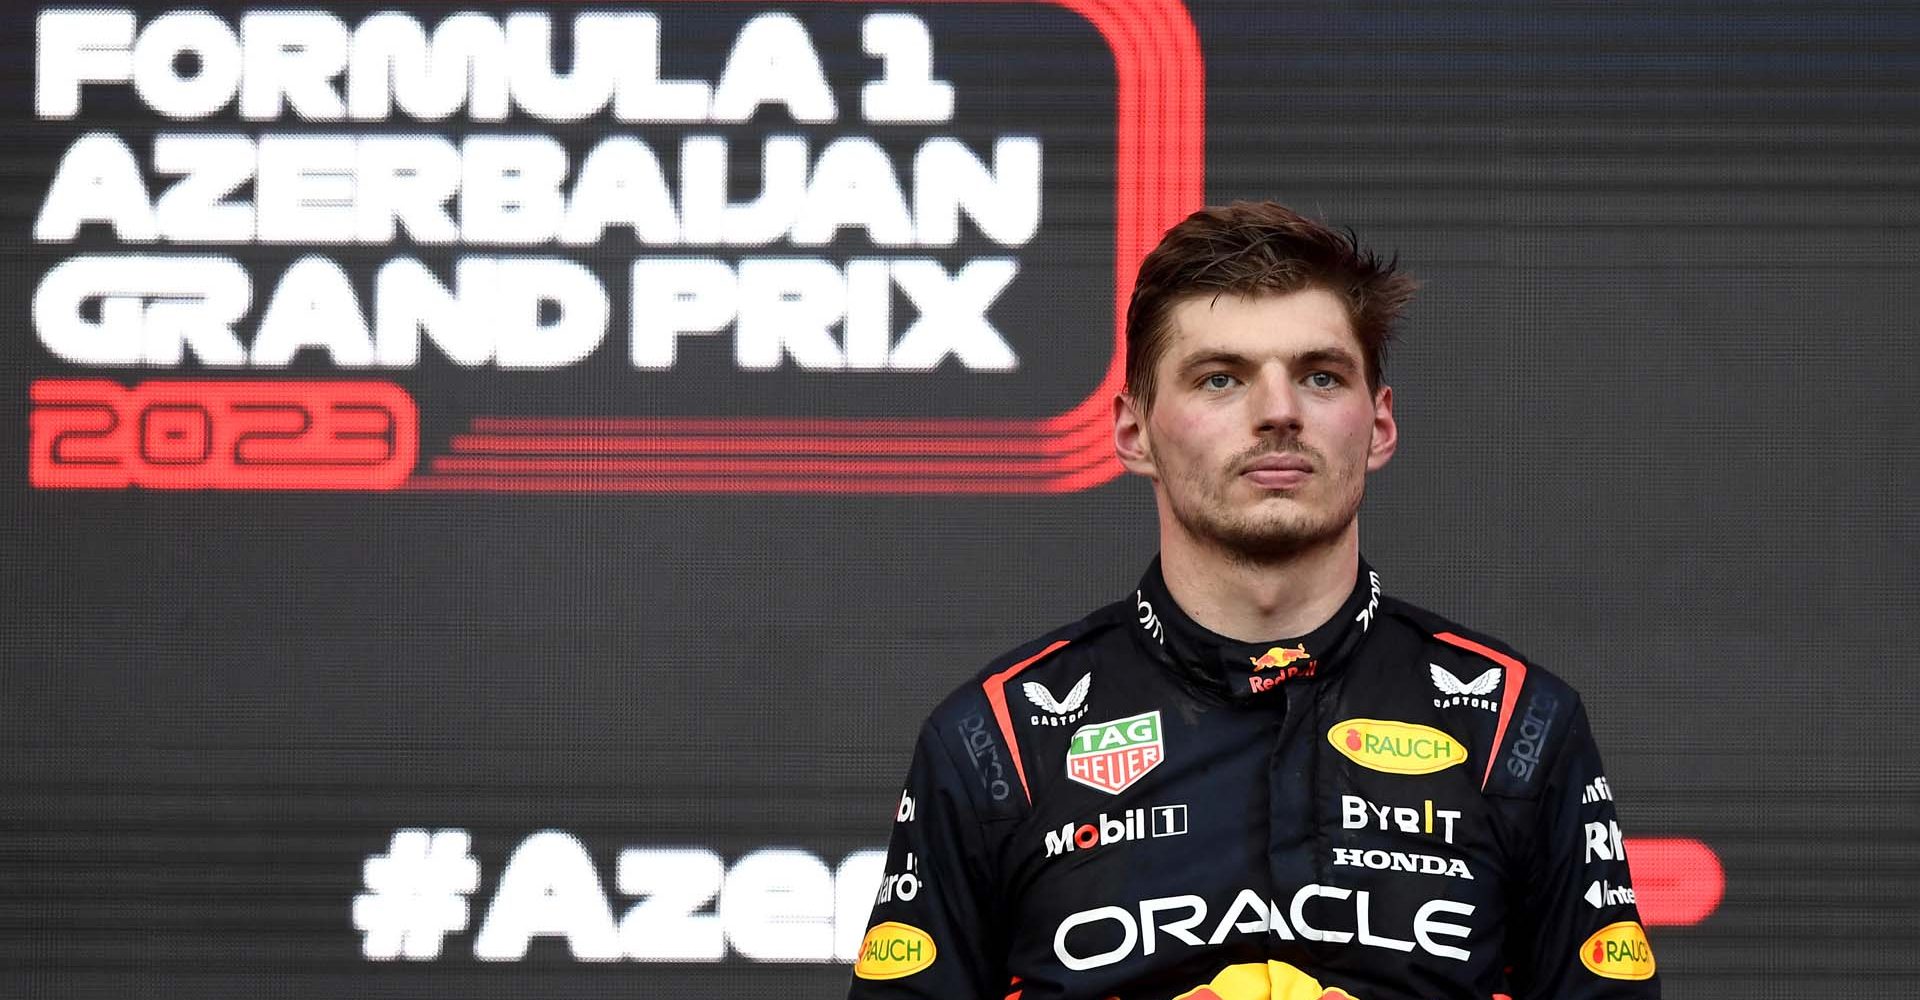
x=1143 y=823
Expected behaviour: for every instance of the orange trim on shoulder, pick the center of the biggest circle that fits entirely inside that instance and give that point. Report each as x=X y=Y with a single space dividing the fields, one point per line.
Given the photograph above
x=996 y=690
x=1516 y=676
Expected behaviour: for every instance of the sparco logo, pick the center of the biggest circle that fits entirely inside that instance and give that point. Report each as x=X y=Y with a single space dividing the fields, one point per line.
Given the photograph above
x=1134 y=824
x=480 y=198
x=1091 y=939
x=1532 y=738
x=984 y=751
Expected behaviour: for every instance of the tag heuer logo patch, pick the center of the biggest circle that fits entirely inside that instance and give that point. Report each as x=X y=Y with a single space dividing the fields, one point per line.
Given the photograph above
x=1111 y=756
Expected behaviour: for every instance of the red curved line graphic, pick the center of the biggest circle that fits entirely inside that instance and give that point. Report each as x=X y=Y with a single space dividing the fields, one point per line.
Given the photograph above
x=1159 y=149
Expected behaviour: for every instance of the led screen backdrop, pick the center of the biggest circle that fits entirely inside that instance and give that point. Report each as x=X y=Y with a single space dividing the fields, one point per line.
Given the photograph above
x=491 y=491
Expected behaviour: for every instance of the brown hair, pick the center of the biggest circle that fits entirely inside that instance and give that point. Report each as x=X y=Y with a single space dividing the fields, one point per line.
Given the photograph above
x=1253 y=248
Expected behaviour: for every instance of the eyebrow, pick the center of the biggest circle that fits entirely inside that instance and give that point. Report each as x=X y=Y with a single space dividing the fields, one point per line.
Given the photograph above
x=1326 y=357
x=1208 y=359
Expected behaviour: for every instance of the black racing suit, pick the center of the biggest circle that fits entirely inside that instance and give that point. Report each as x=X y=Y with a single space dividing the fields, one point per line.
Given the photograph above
x=1388 y=808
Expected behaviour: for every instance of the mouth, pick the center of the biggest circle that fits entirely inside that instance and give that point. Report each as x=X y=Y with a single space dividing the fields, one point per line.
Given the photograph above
x=1277 y=471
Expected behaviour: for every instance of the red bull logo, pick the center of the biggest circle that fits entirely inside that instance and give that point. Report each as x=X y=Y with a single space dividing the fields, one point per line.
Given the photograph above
x=1278 y=657
x=1264 y=981
x=1282 y=659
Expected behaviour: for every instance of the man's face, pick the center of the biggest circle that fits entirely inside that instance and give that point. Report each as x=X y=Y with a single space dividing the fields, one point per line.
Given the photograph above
x=1262 y=428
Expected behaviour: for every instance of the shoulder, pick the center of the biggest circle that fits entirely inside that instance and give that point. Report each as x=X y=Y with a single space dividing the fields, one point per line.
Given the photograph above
x=1042 y=659
x=1530 y=711
x=981 y=722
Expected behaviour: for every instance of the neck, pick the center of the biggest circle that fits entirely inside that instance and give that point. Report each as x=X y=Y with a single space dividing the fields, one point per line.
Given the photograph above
x=1256 y=600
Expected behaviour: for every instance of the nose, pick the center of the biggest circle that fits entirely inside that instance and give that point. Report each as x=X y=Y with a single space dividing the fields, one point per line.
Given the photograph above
x=1276 y=407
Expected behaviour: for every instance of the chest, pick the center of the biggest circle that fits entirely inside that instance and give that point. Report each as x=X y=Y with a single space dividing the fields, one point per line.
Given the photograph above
x=1340 y=826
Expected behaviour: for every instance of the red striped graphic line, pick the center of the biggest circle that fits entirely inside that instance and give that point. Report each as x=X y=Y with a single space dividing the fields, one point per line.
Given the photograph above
x=637 y=467
x=837 y=483
x=1020 y=464
x=1159 y=115
x=881 y=464
x=772 y=426
x=503 y=444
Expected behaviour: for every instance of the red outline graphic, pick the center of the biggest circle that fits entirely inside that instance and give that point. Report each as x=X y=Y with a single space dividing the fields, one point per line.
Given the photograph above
x=1516 y=677
x=1160 y=113
x=996 y=691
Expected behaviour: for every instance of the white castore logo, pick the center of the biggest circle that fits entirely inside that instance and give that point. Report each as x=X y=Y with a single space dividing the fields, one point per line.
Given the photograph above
x=1059 y=713
x=1455 y=692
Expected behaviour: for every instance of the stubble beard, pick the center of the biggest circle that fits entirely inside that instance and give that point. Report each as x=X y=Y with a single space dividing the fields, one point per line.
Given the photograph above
x=1274 y=531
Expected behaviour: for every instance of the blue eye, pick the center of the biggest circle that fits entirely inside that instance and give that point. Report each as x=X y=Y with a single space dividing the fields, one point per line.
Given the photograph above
x=1218 y=380
x=1323 y=380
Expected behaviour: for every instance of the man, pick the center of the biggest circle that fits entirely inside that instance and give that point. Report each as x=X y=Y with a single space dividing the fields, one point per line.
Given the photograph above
x=1256 y=776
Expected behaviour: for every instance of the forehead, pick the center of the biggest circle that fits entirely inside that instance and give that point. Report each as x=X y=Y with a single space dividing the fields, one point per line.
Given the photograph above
x=1261 y=326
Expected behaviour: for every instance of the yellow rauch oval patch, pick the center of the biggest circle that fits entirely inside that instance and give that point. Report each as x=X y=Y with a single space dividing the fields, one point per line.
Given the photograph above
x=1618 y=951
x=893 y=950
x=1397 y=747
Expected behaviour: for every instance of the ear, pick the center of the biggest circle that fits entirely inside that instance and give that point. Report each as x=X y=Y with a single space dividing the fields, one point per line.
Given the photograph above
x=1386 y=434
x=1130 y=440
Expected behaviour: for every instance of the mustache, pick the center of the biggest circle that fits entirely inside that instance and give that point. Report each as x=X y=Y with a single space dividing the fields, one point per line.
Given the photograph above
x=1288 y=447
